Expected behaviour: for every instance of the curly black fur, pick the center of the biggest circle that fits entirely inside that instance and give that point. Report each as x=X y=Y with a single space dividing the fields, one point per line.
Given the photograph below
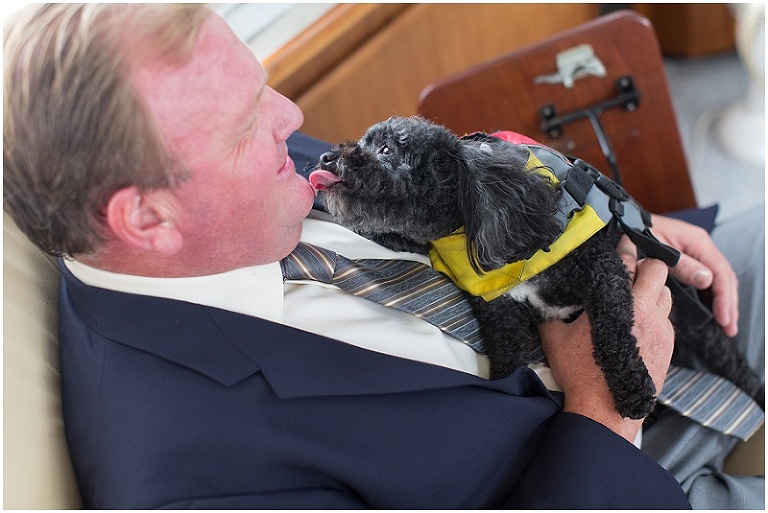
x=408 y=182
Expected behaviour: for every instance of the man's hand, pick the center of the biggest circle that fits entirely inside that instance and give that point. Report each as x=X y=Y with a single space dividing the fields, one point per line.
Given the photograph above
x=702 y=266
x=568 y=347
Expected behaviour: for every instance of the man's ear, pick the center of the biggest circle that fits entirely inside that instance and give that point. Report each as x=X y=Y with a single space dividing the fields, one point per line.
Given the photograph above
x=144 y=220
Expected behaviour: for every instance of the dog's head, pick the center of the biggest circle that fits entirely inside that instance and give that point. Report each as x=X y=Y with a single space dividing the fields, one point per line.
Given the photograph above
x=408 y=181
x=397 y=182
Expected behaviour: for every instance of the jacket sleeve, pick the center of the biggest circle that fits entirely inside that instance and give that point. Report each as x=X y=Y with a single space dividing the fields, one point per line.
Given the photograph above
x=582 y=464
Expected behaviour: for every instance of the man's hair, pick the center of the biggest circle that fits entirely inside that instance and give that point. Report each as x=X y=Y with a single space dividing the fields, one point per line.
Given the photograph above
x=74 y=129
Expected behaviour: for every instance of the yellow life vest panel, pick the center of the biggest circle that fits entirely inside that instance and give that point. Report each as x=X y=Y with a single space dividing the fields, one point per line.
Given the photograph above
x=585 y=208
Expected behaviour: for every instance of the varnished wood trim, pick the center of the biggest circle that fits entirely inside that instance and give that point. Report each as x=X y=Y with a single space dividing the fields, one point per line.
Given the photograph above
x=327 y=42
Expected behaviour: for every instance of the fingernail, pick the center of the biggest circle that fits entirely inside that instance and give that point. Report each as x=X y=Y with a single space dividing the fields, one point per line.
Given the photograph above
x=702 y=278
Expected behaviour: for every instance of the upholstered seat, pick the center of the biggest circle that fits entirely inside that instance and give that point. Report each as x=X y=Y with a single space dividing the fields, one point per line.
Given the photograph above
x=37 y=471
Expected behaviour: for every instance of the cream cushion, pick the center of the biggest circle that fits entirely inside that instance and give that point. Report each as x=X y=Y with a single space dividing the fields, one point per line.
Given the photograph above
x=37 y=471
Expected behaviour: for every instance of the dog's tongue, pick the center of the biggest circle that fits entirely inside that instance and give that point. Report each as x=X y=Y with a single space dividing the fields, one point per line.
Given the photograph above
x=320 y=179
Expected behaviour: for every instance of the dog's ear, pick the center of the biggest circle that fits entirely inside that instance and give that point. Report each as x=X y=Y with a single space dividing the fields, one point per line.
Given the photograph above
x=508 y=212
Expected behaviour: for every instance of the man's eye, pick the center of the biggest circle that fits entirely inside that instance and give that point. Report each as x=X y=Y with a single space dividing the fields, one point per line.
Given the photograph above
x=384 y=150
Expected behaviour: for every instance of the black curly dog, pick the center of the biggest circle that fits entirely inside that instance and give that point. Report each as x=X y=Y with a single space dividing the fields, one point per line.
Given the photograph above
x=408 y=182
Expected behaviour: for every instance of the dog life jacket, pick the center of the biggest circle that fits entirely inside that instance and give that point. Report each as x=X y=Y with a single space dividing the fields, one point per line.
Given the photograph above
x=590 y=201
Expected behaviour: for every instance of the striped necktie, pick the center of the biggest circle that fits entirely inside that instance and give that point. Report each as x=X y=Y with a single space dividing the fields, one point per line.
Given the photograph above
x=409 y=286
x=417 y=289
x=712 y=401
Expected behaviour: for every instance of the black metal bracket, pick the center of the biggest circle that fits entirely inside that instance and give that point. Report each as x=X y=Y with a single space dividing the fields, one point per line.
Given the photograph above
x=628 y=98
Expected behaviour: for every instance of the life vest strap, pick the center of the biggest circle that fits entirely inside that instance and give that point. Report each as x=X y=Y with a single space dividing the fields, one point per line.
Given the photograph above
x=582 y=177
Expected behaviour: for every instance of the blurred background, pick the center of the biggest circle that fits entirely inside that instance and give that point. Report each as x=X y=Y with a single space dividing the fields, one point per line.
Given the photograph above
x=714 y=55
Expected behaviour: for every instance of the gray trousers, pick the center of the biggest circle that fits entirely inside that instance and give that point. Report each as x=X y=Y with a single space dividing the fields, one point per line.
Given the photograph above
x=693 y=454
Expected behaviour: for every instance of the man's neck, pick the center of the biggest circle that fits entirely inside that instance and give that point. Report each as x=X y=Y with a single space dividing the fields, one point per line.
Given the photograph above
x=132 y=262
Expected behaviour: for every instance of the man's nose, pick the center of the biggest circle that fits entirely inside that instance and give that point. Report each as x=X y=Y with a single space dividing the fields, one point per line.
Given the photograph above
x=288 y=116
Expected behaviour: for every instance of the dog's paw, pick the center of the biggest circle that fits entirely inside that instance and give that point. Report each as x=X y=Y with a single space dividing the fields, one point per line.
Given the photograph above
x=634 y=392
x=638 y=401
x=636 y=407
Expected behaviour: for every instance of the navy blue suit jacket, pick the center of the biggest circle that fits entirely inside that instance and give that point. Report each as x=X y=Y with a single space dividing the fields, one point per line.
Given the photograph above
x=175 y=405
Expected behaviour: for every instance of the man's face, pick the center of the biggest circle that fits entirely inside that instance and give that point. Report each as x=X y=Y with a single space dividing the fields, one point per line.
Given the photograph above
x=244 y=202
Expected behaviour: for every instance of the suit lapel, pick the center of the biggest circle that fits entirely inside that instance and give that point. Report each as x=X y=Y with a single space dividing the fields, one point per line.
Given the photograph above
x=229 y=347
x=298 y=363
x=174 y=330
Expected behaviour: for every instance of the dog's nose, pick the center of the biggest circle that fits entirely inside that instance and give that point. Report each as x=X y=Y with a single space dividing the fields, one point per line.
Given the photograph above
x=328 y=159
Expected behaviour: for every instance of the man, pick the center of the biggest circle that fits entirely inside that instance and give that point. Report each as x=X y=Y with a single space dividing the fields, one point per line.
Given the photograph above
x=143 y=142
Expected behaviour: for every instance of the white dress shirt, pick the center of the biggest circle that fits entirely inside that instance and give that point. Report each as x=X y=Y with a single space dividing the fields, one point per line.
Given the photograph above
x=308 y=305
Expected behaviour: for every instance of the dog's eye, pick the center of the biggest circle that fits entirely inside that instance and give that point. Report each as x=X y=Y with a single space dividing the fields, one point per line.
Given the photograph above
x=384 y=150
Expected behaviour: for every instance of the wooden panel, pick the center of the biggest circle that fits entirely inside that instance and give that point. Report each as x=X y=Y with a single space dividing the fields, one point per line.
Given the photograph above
x=307 y=57
x=427 y=41
x=503 y=94
x=688 y=30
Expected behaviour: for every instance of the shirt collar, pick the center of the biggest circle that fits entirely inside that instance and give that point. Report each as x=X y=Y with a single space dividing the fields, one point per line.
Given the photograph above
x=255 y=290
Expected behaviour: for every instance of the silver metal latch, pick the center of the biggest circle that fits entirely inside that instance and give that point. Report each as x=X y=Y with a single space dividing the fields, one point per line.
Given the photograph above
x=572 y=64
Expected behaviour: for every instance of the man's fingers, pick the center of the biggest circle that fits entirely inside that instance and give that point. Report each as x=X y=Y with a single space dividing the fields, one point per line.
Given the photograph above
x=692 y=272
x=664 y=301
x=724 y=284
x=628 y=253
x=651 y=278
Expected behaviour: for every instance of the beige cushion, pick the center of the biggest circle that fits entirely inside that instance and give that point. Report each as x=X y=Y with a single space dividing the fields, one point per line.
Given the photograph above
x=37 y=471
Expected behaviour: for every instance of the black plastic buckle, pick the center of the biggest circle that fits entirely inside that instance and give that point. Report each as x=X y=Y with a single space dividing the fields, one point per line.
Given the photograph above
x=611 y=188
x=580 y=180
